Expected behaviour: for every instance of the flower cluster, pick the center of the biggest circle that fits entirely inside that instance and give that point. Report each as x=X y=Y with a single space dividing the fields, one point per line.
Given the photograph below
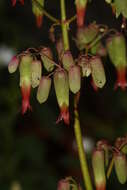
x=66 y=74
x=101 y=161
x=68 y=71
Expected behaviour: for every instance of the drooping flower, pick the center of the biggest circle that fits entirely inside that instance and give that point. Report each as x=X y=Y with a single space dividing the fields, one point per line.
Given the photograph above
x=74 y=76
x=81 y=10
x=62 y=93
x=37 y=11
x=97 y=71
x=116 y=46
x=13 y=64
x=98 y=169
x=43 y=89
x=14 y=2
x=25 y=81
x=120 y=167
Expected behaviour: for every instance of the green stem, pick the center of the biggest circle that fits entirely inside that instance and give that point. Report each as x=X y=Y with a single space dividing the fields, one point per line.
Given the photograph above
x=81 y=152
x=71 y=19
x=53 y=19
x=110 y=168
x=64 y=25
x=77 y=130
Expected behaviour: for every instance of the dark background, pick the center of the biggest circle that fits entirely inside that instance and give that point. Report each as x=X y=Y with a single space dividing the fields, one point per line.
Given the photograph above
x=34 y=151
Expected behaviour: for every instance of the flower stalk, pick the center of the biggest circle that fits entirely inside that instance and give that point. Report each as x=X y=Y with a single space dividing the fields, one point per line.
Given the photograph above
x=81 y=152
x=64 y=25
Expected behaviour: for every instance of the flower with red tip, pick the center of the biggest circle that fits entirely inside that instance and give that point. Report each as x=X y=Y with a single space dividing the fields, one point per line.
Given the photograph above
x=25 y=81
x=14 y=2
x=62 y=93
x=37 y=11
x=116 y=46
x=81 y=9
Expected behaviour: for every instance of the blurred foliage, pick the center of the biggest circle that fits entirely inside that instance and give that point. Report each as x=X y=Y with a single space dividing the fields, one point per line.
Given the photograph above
x=34 y=150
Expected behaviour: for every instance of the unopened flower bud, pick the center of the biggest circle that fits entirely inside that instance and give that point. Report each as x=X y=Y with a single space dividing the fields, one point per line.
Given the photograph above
x=81 y=9
x=46 y=56
x=97 y=71
x=25 y=81
x=13 y=64
x=103 y=144
x=62 y=93
x=98 y=169
x=63 y=185
x=74 y=78
x=116 y=47
x=120 y=167
x=83 y=62
x=43 y=89
x=85 y=35
x=121 y=144
x=37 y=11
x=36 y=70
x=67 y=60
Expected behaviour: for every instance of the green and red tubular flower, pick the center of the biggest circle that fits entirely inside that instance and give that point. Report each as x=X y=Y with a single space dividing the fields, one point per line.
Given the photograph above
x=62 y=93
x=14 y=2
x=81 y=9
x=37 y=11
x=25 y=81
x=116 y=46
